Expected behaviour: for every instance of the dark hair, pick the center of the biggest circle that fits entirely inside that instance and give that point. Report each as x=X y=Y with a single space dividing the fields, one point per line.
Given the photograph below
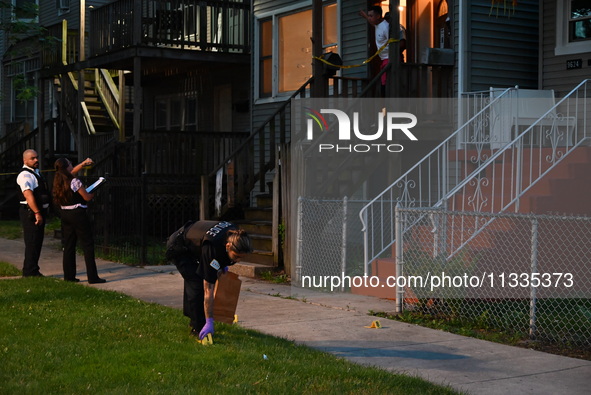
x=239 y=241
x=376 y=9
x=62 y=193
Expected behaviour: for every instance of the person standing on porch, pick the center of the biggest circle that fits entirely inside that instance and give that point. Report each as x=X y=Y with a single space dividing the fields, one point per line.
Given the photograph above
x=382 y=34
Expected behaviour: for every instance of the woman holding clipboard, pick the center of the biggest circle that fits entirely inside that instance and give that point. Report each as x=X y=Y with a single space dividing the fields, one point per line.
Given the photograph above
x=72 y=197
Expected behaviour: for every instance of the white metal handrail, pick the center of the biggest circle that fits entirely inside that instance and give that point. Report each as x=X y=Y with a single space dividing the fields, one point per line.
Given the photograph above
x=457 y=165
x=505 y=177
x=377 y=217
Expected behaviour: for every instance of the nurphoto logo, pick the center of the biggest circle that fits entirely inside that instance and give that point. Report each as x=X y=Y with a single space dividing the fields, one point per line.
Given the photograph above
x=391 y=123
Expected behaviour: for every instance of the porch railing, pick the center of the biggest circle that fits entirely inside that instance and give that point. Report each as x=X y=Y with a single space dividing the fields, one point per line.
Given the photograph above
x=207 y=25
x=68 y=49
x=506 y=176
x=487 y=175
x=187 y=153
x=250 y=161
x=109 y=94
x=416 y=188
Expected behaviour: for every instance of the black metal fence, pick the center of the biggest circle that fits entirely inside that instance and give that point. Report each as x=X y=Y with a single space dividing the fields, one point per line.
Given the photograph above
x=133 y=216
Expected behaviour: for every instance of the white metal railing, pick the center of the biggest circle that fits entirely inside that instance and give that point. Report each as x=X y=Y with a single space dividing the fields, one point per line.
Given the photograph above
x=503 y=179
x=464 y=172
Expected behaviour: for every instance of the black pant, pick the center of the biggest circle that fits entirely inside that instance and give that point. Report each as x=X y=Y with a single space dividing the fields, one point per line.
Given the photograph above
x=76 y=226
x=33 y=235
x=193 y=297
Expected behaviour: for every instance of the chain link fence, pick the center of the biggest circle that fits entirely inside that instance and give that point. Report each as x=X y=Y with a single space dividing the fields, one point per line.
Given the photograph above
x=526 y=274
x=328 y=242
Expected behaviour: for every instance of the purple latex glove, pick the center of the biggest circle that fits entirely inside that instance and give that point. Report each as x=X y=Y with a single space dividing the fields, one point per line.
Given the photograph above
x=226 y=268
x=207 y=328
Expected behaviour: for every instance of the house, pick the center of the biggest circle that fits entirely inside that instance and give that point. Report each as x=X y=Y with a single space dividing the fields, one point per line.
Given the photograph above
x=156 y=91
x=201 y=92
x=493 y=47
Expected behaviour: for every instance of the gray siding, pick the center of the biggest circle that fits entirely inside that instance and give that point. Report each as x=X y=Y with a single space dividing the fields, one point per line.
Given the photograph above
x=263 y=6
x=260 y=112
x=554 y=74
x=503 y=49
x=354 y=38
x=48 y=13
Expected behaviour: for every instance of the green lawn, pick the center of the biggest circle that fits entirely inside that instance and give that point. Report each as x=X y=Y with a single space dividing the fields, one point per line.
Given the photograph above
x=11 y=229
x=8 y=270
x=58 y=337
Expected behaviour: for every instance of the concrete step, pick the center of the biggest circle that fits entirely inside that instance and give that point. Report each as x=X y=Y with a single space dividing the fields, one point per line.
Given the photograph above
x=250 y=269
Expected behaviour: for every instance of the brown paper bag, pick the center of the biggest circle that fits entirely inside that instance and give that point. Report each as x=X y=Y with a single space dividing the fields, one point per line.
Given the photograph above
x=227 y=292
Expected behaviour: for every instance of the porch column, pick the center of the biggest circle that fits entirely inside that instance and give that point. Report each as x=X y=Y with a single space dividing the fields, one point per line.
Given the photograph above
x=137 y=97
x=320 y=85
x=121 y=114
x=40 y=120
x=81 y=58
x=394 y=77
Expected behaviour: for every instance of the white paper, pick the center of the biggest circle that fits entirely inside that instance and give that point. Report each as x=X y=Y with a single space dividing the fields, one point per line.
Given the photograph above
x=95 y=184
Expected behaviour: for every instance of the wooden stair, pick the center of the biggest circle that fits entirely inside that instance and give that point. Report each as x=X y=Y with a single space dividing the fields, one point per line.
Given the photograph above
x=98 y=113
x=258 y=223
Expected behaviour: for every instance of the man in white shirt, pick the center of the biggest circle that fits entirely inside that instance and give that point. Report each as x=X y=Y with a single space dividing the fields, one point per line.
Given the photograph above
x=382 y=35
x=34 y=201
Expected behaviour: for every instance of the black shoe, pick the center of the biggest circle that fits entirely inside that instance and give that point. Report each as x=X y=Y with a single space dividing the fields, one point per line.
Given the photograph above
x=33 y=275
x=72 y=280
x=97 y=280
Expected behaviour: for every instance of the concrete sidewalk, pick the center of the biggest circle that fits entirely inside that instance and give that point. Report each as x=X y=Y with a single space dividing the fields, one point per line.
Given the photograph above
x=336 y=323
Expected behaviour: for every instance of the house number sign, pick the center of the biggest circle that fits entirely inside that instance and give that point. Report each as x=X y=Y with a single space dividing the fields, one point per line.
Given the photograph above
x=574 y=64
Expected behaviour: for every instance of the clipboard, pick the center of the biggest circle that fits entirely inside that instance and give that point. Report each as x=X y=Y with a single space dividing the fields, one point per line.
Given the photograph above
x=96 y=184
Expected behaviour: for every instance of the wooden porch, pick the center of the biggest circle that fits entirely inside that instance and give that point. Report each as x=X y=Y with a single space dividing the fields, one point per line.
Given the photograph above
x=211 y=30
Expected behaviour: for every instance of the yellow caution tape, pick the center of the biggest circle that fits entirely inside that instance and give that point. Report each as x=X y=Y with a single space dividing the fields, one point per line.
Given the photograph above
x=392 y=40
x=18 y=172
x=375 y=325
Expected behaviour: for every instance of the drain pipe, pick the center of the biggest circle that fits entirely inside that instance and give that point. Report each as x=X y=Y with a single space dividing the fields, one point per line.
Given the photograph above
x=399 y=226
x=462 y=45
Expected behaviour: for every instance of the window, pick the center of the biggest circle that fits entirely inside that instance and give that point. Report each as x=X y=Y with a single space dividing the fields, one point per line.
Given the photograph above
x=285 y=52
x=23 y=99
x=573 y=26
x=175 y=113
x=266 y=59
x=579 y=22
x=63 y=6
x=25 y=10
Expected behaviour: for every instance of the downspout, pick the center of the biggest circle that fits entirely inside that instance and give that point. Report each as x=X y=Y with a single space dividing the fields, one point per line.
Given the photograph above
x=540 y=45
x=462 y=45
